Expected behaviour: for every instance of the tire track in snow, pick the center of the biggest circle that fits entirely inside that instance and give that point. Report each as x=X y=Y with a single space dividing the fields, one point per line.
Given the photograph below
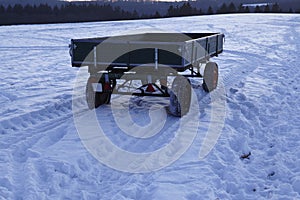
x=20 y=135
x=231 y=79
x=33 y=119
x=246 y=64
x=257 y=106
x=243 y=68
x=26 y=154
x=32 y=125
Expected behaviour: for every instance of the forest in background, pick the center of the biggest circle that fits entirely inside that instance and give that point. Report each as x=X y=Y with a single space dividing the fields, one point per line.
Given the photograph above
x=86 y=12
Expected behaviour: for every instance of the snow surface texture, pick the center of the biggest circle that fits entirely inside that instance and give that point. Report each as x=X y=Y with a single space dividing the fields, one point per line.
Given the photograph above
x=257 y=155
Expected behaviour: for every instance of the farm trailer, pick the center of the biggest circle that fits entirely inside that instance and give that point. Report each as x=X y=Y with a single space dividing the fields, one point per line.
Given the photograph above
x=151 y=58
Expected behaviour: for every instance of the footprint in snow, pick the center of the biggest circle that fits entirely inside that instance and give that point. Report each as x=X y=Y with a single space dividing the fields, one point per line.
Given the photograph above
x=233 y=91
x=240 y=85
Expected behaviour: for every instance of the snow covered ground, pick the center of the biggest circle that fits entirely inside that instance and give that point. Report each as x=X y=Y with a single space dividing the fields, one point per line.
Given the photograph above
x=256 y=156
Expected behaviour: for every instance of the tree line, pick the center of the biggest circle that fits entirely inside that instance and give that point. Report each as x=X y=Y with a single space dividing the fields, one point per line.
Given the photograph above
x=72 y=12
x=43 y=13
x=186 y=9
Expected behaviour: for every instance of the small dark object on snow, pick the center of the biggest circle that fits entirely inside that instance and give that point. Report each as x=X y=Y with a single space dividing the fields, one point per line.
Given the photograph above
x=245 y=156
x=271 y=174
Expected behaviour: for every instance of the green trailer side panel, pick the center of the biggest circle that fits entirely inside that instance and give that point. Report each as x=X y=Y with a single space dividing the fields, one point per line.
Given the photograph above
x=81 y=51
x=174 y=49
x=125 y=54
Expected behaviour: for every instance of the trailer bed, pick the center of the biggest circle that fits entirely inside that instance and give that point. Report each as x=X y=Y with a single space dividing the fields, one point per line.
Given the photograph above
x=176 y=50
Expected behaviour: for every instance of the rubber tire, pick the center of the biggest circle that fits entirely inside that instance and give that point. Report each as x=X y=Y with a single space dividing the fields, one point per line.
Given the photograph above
x=210 y=77
x=95 y=99
x=180 y=97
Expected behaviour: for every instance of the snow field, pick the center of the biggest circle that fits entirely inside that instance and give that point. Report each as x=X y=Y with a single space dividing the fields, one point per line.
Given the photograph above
x=257 y=155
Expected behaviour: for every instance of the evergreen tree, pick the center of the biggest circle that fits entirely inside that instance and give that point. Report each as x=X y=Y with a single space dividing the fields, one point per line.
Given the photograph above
x=2 y=10
x=241 y=8
x=186 y=9
x=144 y=16
x=210 y=11
x=156 y=15
x=200 y=12
x=44 y=9
x=257 y=9
x=17 y=9
x=171 y=11
x=275 y=8
x=55 y=10
x=231 y=8
x=9 y=9
x=247 y=10
x=195 y=11
x=28 y=9
x=267 y=8
x=223 y=9
x=135 y=14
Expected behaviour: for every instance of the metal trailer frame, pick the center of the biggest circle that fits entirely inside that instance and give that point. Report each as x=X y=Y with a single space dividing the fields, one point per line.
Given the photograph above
x=166 y=53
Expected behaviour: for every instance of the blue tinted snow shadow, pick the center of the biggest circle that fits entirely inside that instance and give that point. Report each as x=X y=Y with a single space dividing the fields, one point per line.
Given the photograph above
x=139 y=113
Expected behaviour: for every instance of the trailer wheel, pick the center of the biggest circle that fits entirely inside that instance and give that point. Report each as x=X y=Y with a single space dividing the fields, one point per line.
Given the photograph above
x=180 y=97
x=210 y=77
x=95 y=99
